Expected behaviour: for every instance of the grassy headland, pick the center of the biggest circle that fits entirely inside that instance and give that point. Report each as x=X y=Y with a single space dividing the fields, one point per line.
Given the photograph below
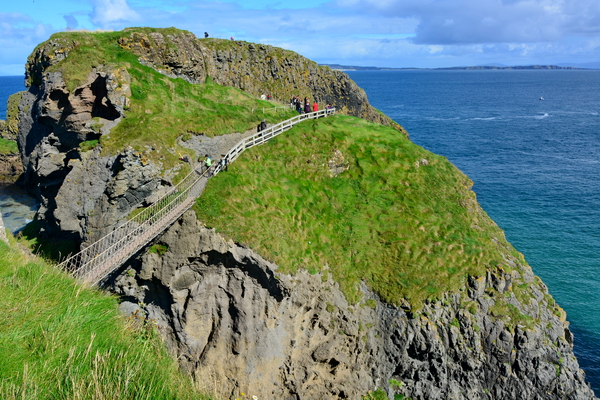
x=400 y=218
x=59 y=340
x=161 y=109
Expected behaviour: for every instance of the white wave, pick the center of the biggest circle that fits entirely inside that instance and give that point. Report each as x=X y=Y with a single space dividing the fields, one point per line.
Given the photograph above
x=484 y=118
x=442 y=119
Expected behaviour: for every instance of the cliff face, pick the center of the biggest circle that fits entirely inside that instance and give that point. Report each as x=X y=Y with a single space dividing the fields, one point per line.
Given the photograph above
x=254 y=68
x=82 y=194
x=231 y=318
x=55 y=122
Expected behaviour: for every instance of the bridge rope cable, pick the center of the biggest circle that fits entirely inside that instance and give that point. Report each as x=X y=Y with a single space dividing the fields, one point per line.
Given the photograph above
x=100 y=258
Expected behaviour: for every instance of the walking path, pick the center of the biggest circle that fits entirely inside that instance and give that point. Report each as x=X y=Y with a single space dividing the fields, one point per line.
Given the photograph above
x=99 y=259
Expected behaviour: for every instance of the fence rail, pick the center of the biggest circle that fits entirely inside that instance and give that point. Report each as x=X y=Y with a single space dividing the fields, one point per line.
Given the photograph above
x=99 y=259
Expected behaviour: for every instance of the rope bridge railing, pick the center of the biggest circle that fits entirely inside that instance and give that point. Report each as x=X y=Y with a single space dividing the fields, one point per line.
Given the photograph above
x=100 y=258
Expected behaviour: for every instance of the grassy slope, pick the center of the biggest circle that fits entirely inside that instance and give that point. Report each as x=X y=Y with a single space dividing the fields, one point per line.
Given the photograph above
x=59 y=340
x=162 y=108
x=408 y=230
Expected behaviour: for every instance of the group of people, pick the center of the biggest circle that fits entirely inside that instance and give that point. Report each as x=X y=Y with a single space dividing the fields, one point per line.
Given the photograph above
x=223 y=163
x=303 y=106
x=208 y=162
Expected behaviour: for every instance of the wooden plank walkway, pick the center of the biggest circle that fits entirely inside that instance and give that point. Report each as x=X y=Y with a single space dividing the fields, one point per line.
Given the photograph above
x=99 y=259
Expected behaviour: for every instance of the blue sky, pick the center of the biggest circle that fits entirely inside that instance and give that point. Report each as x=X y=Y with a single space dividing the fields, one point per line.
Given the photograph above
x=384 y=33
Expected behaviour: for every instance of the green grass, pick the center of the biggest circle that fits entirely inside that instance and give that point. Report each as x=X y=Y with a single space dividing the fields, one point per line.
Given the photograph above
x=88 y=145
x=161 y=109
x=8 y=146
x=407 y=229
x=59 y=340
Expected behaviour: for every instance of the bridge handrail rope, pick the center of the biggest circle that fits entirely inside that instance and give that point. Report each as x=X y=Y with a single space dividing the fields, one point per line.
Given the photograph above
x=101 y=257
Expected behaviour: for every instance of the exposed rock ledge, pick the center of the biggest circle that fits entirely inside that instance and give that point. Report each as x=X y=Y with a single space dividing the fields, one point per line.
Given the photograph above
x=10 y=167
x=231 y=318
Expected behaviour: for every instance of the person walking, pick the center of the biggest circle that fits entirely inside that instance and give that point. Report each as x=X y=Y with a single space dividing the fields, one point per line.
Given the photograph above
x=307 y=107
x=315 y=106
x=207 y=162
x=262 y=126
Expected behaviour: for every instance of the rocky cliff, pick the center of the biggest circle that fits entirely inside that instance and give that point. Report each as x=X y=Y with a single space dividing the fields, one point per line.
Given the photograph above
x=235 y=321
x=10 y=161
x=84 y=194
x=255 y=68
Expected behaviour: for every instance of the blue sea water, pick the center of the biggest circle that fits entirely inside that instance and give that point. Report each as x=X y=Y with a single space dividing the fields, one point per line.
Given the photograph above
x=8 y=86
x=530 y=141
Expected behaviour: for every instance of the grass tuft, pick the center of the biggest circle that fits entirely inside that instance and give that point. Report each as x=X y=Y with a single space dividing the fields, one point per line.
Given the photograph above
x=8 y=146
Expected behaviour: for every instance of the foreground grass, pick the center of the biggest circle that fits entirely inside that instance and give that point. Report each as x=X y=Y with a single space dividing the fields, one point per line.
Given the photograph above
x=401 y=219
x=162 y=109
x=59 y=340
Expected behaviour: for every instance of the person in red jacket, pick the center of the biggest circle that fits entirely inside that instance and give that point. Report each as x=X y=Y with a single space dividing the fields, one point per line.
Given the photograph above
x=315 y=106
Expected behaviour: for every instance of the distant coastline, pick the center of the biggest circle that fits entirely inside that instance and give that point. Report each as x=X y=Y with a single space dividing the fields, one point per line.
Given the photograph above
x=475 y=68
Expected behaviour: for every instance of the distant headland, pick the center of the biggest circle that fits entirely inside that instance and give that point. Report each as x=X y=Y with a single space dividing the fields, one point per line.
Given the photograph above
x=477 y=67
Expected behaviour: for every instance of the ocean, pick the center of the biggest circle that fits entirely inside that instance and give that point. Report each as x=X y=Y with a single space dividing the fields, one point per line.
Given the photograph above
x=535 y=165
x=530 y=141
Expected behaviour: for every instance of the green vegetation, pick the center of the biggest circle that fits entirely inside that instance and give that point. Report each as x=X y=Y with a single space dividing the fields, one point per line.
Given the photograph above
x=400 y=218
x=162 y=109
x=59 y=340
x=511 y=315
x=159 y=249
x=10 y=127
x=8 y=146
x=88 y=145
x=379 y=394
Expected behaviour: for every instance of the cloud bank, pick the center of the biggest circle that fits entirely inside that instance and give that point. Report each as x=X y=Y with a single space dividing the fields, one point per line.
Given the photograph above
x=386 y=33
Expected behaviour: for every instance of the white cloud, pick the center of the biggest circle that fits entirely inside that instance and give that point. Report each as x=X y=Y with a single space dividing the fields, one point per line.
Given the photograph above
x=392 y=33
x=108 y=13
x=488 y=21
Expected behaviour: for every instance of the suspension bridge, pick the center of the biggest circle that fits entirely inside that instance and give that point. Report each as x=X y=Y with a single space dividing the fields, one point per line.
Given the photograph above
x=99 y=259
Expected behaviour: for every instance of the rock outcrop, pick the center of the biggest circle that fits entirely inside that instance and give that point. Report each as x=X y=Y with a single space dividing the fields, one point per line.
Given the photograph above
x=10 y=167
x=231 y=318
x=255 y=68
x=82 y=194
x=10 y=161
